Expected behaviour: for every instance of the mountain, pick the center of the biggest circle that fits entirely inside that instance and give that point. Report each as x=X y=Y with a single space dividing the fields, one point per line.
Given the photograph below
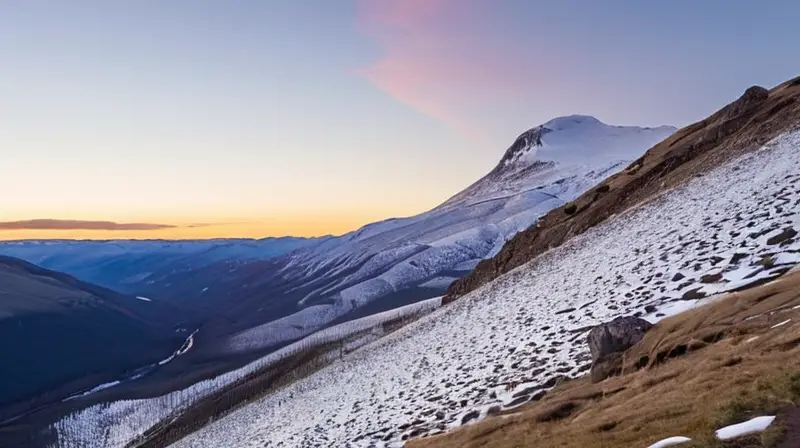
x=756 y=117
x=729 y=222
x=719 y=212
x=565 y=148
x=384 y=265
x=130 y=265
x=63 y=335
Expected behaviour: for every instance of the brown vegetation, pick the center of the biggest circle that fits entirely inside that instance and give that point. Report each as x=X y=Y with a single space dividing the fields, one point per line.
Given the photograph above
x=742 y=126
x=693 y=373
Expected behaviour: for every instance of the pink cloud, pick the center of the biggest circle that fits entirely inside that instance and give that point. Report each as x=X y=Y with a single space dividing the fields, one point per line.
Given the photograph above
x=401 y=14
x=441 y=59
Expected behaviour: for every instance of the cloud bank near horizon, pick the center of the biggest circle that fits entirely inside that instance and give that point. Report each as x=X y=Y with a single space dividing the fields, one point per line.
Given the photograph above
x=70 y=224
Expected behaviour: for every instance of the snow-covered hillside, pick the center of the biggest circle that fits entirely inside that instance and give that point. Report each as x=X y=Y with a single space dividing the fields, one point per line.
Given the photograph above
x=546 y=167
x=734 y=226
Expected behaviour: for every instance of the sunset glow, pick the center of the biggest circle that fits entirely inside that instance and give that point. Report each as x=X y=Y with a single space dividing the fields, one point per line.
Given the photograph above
x=264 y=120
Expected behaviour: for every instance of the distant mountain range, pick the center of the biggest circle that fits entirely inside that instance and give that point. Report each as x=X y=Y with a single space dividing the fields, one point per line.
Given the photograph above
x=125 y=265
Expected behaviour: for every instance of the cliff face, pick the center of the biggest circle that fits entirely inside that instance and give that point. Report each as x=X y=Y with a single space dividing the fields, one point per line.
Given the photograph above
x=758 y=116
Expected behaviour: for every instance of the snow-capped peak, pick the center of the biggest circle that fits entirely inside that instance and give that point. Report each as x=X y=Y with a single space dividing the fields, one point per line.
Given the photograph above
x=581 y=139
x=569 y=153
x=571 y=121
x=525 y=145
x=569 y=127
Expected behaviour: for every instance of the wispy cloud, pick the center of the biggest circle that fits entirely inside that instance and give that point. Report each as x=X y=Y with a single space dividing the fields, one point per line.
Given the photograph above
x=216 y=224
x=69 y=224
x=443 y=60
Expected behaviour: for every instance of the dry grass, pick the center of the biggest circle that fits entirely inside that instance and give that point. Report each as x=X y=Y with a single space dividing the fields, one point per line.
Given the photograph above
x=684 y=387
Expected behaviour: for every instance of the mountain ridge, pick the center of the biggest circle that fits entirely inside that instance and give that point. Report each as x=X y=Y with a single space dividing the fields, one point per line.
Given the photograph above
x=574 y=141
x=741 y=126
x=439 y=245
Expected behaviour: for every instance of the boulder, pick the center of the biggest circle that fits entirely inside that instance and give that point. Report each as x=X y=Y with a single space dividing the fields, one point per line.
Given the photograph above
x=608 y=341
x=469 y=416
x=786 y=235
x=617 y=335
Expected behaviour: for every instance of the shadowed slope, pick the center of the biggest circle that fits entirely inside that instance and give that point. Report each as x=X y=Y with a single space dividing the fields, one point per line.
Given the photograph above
x=62 y=335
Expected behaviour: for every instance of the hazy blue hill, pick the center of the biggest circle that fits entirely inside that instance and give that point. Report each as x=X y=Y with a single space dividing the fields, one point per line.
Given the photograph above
x=62 y=335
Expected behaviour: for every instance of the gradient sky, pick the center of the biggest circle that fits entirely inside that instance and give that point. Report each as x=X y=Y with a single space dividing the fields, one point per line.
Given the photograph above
x=256 y=118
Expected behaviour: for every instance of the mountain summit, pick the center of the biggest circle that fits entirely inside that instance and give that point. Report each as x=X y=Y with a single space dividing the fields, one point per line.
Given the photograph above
x=572 y=146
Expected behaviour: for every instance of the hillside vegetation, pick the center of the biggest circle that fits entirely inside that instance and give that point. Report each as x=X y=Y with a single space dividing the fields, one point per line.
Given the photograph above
x=693 y=373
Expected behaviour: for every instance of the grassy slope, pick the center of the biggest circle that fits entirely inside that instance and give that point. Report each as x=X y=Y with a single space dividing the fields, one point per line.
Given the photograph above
x=693 y=373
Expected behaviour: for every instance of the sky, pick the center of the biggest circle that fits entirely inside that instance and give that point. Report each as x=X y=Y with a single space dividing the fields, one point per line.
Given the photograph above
x=249 y=118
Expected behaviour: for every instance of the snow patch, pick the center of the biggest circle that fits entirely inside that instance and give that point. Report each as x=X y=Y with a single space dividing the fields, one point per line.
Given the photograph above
x=752 y=426
x=781 y=323
x=672 y=441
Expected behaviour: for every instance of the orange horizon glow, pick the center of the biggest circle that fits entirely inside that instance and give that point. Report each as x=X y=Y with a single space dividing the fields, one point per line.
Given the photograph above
x=255 y=229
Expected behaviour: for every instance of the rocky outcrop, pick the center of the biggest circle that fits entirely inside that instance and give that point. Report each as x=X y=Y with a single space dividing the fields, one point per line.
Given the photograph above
x=608 y=341
x=531 y=138
x=616 y=336
x=748 y=123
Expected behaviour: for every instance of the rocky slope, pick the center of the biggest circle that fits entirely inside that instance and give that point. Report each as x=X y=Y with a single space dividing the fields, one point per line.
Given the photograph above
x=742 y=126
x=719 y=365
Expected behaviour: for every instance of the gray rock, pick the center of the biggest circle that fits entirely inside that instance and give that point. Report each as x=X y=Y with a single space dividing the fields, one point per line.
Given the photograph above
x=469 y=416
x=617 y=335
x=608 y=341
x=785 y=235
